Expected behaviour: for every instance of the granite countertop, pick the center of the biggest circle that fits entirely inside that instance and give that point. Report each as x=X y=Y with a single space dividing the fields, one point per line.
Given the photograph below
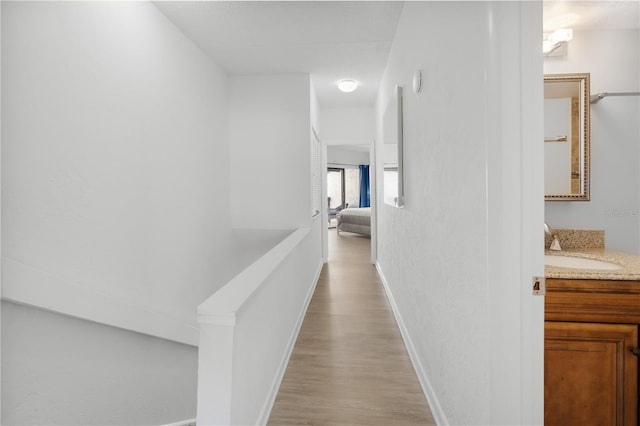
x=630 y=265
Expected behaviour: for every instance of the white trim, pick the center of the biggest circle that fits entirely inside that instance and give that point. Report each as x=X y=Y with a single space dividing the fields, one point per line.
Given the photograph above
x=265 y=412
x=26 y=285
x=316 y=173
x=324 y=206
x=427 y=389
x=532 y=160
x=373 y=190
x=347 y=141
x=189 y=422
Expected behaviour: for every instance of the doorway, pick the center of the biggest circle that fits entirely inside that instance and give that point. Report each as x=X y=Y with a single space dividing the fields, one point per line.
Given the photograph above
x=344 y=165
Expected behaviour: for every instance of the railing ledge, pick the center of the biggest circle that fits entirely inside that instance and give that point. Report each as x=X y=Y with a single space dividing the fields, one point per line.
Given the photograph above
x=221 y=308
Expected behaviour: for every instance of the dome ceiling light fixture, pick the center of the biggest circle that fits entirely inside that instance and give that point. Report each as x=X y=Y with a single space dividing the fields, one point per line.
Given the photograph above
x=347 y=85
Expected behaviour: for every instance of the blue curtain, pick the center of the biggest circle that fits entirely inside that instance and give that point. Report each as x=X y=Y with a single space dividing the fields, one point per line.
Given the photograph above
x=365 y=198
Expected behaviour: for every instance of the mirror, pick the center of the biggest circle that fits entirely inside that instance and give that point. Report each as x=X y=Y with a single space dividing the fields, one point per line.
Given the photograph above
x=566 y=137
x=393 y=189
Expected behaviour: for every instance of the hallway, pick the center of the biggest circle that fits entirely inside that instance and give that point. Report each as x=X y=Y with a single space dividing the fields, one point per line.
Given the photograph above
x=349 y=364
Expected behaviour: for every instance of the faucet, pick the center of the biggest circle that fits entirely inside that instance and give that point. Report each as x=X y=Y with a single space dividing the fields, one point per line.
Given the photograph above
x=555 y=244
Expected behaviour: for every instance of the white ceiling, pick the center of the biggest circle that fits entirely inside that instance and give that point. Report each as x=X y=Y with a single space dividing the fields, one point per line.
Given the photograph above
x=330 y=40
x=591 y=15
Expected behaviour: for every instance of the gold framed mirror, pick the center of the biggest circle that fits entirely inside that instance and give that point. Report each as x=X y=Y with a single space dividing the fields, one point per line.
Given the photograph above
x=566 y=137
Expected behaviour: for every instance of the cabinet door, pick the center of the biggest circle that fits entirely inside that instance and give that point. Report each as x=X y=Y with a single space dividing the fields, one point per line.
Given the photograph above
x=590 y=374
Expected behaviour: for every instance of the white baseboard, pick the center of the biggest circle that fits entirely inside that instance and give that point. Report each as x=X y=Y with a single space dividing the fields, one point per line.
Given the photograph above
x=282 y=368
x=427 y=389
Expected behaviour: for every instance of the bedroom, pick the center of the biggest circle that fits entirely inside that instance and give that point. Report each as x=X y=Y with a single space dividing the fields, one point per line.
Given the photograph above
x=348 y=133
x=348 y=187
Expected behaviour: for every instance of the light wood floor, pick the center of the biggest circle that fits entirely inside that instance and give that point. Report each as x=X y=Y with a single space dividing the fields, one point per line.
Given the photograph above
x=349 y=364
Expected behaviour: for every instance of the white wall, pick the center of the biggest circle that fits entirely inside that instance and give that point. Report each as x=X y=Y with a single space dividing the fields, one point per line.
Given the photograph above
x=347 y=126
x=457 y=260
x=62 y=370
x=270 y=129
x=115 y=199
x=612 y=59
x=269 y=137
x=346 y=156
x=557 y=156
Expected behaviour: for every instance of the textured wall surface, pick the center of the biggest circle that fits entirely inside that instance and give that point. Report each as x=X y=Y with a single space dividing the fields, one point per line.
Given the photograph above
x=455 y=257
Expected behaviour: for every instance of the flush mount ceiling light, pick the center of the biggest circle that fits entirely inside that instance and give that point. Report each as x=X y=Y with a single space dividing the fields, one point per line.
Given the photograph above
x=347 y=85
x=556 y=39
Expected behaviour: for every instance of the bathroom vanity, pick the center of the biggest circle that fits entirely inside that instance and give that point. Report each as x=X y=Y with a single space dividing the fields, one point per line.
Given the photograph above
x=592 y=319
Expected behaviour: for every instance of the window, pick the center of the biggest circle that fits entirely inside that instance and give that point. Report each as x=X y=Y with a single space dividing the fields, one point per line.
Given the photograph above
x=335 y=187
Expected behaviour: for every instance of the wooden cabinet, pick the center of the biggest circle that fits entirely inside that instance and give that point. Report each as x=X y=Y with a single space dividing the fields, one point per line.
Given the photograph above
x=591 y=372
x=591 y=377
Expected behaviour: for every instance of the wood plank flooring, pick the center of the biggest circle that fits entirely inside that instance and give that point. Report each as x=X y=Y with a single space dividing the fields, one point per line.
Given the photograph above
x=349 y=364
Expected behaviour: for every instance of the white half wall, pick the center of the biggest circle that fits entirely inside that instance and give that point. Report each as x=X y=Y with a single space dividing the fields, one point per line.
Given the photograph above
x=458 y=258
x=248 y=331
x=612 y=57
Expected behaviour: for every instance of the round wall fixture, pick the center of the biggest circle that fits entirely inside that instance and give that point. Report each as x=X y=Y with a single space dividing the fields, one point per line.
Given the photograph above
x=347 y=85
x=417 y=81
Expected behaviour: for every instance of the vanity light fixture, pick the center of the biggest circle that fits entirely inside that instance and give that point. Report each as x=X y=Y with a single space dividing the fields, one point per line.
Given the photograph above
x=557 y=38
x=347 y=85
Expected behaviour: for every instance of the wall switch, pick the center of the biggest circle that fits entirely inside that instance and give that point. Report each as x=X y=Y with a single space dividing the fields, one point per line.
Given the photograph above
x=539 y=287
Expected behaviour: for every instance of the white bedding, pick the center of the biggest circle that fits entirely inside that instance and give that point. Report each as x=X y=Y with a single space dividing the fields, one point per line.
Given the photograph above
x=356 y=220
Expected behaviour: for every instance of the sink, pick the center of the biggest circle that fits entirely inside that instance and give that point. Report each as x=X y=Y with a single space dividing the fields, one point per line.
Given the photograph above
x=578 y=262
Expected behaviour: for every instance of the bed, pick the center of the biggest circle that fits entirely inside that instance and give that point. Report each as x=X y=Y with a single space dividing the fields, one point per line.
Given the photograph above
x=356 y=220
